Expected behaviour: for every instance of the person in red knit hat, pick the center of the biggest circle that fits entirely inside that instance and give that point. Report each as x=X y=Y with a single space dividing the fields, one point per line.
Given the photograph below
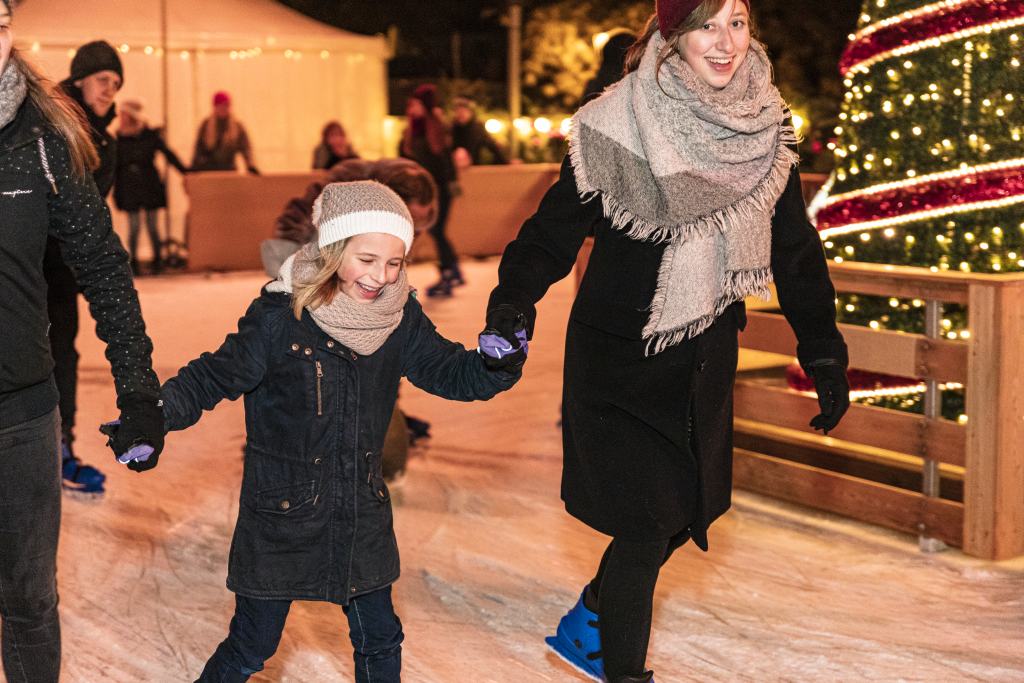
x=692 y=156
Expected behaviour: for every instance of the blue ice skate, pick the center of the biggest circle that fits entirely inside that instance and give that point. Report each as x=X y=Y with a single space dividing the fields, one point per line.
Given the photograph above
x=77 y=477
x=578 y=641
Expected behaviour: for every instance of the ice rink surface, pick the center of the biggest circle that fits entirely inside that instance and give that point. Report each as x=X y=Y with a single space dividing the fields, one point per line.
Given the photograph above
x=490 y=559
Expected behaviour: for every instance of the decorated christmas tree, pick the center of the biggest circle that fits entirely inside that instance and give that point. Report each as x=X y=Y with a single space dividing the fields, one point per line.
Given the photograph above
x=929 y=158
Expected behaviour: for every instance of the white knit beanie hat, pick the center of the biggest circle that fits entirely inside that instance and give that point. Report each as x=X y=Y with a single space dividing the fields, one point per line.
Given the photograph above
x=344 y=210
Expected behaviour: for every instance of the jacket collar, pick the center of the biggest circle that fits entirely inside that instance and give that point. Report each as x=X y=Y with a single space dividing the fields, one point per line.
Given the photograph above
x=28 y=126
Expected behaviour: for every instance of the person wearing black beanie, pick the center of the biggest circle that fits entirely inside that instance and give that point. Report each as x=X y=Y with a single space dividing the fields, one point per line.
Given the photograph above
x=96 y=76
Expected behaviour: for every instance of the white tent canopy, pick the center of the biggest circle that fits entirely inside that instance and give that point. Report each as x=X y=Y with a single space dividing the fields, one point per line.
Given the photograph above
x=287 y=74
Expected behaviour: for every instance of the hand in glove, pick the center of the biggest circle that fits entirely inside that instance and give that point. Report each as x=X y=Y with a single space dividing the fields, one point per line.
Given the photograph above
x=833 y=389
x=141 y=423
x=503 y=345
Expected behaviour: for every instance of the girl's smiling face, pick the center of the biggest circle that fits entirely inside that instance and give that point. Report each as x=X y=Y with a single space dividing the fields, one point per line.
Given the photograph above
x=717 y=49
x=370 y=262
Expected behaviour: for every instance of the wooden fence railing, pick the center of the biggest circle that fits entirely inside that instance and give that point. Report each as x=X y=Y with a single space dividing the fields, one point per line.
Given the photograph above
x=984 y=457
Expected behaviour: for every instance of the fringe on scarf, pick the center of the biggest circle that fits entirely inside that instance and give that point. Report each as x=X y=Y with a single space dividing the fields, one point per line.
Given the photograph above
x=741 y=284
x=761 y=198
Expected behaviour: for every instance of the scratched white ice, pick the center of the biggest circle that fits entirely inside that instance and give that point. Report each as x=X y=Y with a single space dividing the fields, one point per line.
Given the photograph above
x=490 y=560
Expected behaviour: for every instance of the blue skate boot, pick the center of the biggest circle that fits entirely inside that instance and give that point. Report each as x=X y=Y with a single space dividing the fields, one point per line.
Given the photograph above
x=77 y=477
x=578 y=640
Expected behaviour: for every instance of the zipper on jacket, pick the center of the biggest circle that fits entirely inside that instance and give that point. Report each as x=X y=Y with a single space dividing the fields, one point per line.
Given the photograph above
x=319 y=395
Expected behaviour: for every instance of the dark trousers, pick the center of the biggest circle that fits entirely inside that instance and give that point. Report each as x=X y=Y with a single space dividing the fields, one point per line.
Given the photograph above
x=623 y=591
x=255 y=632
x=134 y=227
x=29 y=527
x=445 y=251
x=62 y=307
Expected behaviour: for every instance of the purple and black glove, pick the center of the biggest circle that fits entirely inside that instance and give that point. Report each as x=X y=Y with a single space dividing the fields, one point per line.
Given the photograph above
x=833 y=390
x=503 y=345
x=140 y=427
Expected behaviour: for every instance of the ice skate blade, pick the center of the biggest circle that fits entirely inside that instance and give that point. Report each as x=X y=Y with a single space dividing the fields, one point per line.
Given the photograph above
x=570 y=658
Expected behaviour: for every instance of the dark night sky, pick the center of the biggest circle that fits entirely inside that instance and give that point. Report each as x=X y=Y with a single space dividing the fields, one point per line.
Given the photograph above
x=426 y=26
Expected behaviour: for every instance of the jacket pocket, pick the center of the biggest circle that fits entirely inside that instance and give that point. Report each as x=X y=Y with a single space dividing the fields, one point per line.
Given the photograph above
x=375 y=476
x=292 y=500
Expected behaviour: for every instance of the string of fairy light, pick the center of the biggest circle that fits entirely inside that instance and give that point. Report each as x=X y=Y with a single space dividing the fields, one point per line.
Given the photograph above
x=928 y=166
x=187 y=54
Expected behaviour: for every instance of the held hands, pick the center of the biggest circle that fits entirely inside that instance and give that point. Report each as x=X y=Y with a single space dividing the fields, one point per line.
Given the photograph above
x=503 y=345
x=137 y=438
x=833 y=389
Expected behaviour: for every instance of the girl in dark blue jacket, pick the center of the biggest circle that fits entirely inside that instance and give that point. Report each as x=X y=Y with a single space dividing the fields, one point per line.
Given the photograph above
x=318 y=357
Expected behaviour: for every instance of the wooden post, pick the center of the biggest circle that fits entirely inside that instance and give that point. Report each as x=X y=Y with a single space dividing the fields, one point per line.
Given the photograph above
x=994 y=478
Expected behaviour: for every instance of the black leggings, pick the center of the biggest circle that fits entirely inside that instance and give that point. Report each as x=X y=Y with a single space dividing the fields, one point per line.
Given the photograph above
x=623 y=591
x=445 y=252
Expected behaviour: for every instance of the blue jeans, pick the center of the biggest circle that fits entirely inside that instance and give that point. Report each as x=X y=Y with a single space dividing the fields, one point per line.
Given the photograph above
x=29 y=527
x=255 y=632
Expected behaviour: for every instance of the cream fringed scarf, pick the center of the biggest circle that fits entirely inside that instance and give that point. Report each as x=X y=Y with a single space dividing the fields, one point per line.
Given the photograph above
x=697 y=167
x=362 y=327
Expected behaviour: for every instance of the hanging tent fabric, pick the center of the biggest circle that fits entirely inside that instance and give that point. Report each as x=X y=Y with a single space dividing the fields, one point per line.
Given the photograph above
x=287 y=74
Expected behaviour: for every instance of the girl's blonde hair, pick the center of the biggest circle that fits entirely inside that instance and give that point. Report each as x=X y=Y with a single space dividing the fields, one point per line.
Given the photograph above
x=698 y=17
x=323 y=287
x=60 y=114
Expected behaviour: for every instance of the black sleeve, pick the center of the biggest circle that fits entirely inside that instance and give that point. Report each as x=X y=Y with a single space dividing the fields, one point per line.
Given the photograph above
x=806 y=294
x=237 y=367
x=446 y=368
x=169 y=154
x=545 y=250
x=80 y=221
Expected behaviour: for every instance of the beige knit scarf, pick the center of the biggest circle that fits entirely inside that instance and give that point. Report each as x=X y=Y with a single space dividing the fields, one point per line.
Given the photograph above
x=678 y=161
x=362 y=327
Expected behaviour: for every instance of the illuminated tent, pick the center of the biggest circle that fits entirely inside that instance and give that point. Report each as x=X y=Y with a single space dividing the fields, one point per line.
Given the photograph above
x=287 y=74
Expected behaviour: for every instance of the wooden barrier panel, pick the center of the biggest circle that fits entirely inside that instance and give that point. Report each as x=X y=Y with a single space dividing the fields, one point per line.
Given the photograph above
x=885 y=351
x=865 y=500
x=994 y=486
x=231 y=214
x=495 y=202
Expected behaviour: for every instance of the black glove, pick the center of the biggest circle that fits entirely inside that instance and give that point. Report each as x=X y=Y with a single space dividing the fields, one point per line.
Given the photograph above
x=141 y=422
x=833 y=389
x=505 y=320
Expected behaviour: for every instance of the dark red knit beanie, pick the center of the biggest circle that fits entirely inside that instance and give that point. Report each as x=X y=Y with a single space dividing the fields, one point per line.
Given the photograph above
x=427 y=94
x=671 y=13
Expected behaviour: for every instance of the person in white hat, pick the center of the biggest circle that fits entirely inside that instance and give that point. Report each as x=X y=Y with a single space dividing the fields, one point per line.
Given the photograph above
x=318 y=357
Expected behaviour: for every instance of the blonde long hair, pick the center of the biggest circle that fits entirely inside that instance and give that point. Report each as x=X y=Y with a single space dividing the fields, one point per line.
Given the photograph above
x=322 y=287
x=60 y=114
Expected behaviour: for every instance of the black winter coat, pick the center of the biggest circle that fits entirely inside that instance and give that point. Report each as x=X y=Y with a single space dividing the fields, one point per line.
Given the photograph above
x=647 y=440
x=137 y=183
x=40 y=197
x=314 y=519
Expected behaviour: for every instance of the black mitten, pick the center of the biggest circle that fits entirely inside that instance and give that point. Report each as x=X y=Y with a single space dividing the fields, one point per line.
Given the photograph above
x=142 y=422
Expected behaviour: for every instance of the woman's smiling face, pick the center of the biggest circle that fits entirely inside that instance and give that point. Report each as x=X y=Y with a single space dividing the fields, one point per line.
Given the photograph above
x=716 y=50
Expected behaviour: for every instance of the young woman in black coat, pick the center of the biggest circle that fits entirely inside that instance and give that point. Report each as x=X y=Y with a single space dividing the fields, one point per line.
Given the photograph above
x=686 y=171
x=138 y=189
x=46 y=190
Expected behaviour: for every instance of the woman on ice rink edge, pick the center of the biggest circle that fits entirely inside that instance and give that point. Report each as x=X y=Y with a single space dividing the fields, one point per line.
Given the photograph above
x=687 y=172
x=318 y=356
